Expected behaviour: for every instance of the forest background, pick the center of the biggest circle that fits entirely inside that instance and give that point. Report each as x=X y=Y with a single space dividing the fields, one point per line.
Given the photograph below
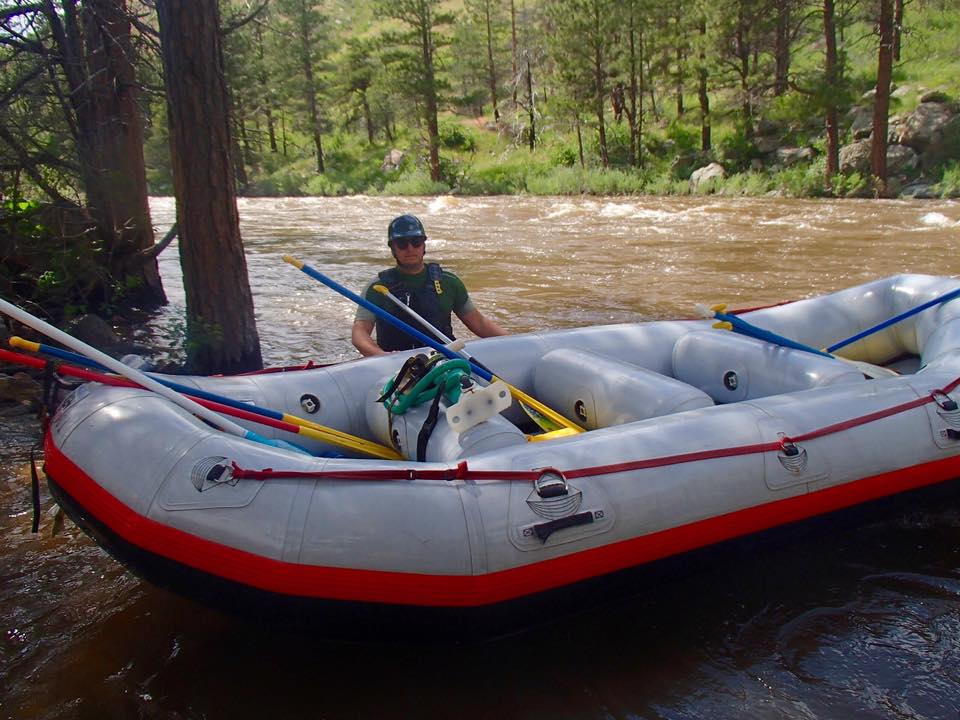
x=104 y=102
x=571 y=96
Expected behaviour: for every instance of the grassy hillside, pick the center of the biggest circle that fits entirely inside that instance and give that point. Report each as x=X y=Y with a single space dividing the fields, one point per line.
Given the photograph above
x=481 y=158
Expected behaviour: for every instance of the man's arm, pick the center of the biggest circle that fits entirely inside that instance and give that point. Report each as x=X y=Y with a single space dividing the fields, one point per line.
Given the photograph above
x=480 y=325
x=362 y=337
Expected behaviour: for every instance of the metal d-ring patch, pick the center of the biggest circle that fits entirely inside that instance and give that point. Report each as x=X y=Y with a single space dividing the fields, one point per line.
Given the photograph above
x=310 y=403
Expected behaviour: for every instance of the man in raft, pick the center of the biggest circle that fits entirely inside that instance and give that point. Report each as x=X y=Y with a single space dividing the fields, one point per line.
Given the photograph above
x=429 y=290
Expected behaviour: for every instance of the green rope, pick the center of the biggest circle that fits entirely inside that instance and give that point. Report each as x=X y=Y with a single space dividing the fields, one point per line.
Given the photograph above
x=444 y=377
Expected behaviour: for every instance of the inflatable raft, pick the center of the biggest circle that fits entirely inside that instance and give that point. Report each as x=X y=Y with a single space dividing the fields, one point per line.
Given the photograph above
x=692 y=436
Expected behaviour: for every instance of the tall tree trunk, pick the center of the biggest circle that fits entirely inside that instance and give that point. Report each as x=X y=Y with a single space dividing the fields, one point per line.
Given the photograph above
x=706 y=129
x=310 y=94
x=97 y=59
x=599 y=89
x=641 y=80
x=832 y=111
x=264 y=81
x=782 y=48
x=431 y=102
x=491 y=69
x=242 y=152
x=367 y=116
x=679 y=87
x=632 y=87
x=897 y=28
x=652 y=92
x=532 y=134
x=576 y=122
x=881 y=105
x=513 y=49
x=221 y=329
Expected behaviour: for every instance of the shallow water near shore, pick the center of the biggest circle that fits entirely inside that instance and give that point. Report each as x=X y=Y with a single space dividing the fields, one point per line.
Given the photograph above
x=838 y=622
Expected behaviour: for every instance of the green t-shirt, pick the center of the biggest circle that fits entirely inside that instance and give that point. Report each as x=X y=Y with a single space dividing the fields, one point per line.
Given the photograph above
x=454 y=297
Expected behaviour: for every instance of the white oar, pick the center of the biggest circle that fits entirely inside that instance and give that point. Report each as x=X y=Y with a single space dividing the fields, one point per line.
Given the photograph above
x=548 y=419
x=128 y=372
x=383 y=290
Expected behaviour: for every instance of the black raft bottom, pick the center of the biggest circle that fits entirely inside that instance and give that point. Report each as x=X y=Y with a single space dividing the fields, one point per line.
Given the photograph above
x=340 y=620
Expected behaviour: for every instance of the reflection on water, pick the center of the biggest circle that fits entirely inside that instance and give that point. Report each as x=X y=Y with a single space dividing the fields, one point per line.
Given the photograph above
x=833 y=623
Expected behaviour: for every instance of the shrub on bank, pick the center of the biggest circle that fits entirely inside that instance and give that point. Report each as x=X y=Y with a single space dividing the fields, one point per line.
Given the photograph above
x=949 y=185
x=413 y=182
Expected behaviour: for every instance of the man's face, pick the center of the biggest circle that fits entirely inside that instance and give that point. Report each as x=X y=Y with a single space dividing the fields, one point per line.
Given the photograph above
x=409 y=253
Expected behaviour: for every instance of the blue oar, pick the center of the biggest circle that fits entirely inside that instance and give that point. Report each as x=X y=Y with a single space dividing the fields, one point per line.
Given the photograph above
x=738 y=324
x=306 y=427
x=218 y=421
x=894 y=320
x=427 y=341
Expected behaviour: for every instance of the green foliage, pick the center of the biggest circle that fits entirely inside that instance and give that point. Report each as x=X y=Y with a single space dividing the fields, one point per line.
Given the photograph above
x=750 y=184
x=949 y=185
x=575 y=181
x=684 y=137
x=497 y=176
x=802 y=180
x=66 y=275
x=735 y=150
x=454 y=136
x=415 y=182
x=564 y=154
x=853 y=185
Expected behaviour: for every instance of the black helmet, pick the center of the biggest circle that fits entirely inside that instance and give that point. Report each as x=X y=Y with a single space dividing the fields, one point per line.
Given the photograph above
x=404 y=228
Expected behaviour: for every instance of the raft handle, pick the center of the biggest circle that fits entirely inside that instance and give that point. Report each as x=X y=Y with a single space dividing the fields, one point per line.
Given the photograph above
x=545 y=530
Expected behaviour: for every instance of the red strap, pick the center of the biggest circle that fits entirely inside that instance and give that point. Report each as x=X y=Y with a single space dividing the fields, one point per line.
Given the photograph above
x=461 y=472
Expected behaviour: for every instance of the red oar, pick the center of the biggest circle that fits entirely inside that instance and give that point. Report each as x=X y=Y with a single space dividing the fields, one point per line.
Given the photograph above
x=93 y=376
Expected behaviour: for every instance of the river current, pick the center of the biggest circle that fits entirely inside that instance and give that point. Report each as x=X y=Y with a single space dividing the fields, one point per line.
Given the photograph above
x=842 y=621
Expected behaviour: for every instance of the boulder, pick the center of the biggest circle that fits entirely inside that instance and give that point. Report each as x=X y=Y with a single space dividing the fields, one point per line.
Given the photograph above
x=766 y=144
x=855 y=158
x=686 y=162
x=705 y=174
x=787 y=156
x=765 y=127
x=901 y=159
x=919 y=127
x=944 y=145
x=920 y=190
x=93 y=330
x=861 y=122
x=935 y=96
x=20 y=388
x=392 y=160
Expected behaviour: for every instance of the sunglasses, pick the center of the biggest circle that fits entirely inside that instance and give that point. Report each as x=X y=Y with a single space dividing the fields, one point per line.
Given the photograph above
x=401 y=243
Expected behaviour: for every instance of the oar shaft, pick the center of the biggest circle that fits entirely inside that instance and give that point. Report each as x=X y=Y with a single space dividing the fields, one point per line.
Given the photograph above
x=245 y=411
x=478 y=370
x=118 y=367
x=894 y=320
x=413 y=314
x=382 y=314
x=746 y=328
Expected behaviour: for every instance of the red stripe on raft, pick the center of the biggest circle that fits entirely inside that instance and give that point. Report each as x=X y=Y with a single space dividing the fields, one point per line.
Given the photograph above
x=464 y=590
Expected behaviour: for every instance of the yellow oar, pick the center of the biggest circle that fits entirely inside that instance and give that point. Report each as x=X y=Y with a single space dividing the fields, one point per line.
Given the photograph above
x=426 y=340
x=310 y=429
x=556 y=421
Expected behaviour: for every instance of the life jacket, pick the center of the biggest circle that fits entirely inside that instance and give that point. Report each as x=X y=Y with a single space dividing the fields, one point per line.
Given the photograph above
x=425 y=301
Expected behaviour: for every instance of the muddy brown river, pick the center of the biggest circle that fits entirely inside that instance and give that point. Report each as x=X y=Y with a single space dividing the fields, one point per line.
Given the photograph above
x=841 y=620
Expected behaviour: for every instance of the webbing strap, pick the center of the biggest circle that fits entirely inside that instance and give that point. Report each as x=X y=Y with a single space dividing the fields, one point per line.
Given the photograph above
x=462 y=472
